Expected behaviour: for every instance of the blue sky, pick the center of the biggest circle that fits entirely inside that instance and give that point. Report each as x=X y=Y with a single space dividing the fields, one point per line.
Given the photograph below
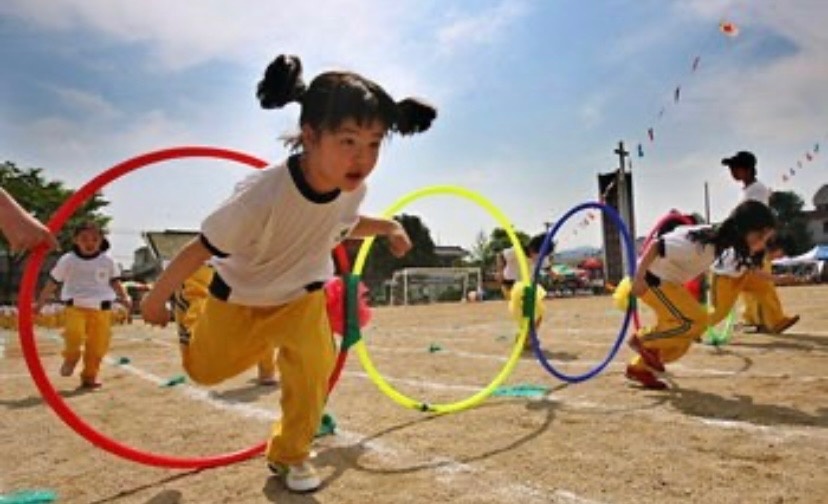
x=533 y=97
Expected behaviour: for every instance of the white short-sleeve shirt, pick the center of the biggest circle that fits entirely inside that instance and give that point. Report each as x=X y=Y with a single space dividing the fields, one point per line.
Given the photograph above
x=511 y=266
x=274 y=236
x=86 y=280
x=757 y=191
x=681 y=259
x=511 y=270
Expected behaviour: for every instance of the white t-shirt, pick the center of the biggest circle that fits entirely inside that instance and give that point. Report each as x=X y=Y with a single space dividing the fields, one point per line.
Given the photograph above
x=511 y=268
x=86 y=280
x=274 y=236
x=680 y=259
x=757 y=191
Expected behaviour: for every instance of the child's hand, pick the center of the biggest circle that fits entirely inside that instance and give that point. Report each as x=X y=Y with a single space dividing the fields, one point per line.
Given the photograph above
x=154 y=311
x=639 y=286
x=398 y=240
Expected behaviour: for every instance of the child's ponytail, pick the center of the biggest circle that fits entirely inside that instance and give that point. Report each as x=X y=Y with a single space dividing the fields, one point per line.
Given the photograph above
x=413 y=116
x=282 y=83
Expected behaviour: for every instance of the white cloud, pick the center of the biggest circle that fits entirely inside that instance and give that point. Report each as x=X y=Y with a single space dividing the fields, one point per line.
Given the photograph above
x=89 y=105
x=746 y=97
x=484 y=27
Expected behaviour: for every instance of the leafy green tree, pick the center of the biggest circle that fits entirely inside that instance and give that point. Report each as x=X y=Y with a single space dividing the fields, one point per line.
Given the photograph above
x=41 y=197
x=792 y=222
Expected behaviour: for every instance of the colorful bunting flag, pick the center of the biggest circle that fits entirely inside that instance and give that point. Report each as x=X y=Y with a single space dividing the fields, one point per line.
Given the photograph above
x=816 y=148
x=808 y=156
x=799 y=164
x=696 y=62
x=784 y=178
x=651 y=134
x=677 y=94
x=793 y=172
x=640 y=151
x=729 y=29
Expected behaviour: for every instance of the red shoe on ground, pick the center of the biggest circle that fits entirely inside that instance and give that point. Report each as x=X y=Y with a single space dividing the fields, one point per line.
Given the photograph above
x=646 y=378
x=651 y=357
x=786 y=324
x=91 y=384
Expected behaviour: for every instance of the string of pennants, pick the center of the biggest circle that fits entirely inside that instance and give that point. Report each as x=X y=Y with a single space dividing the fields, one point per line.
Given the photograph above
x=728 y=29
x=810 y=155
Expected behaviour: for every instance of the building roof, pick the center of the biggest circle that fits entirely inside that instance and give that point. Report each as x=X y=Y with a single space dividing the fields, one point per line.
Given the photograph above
x=821 y=196
x=818 y=214
x=166 y=244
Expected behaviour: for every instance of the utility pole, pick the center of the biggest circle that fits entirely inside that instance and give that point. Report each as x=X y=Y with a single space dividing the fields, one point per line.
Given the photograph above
x=623 y=202
x=706 y=202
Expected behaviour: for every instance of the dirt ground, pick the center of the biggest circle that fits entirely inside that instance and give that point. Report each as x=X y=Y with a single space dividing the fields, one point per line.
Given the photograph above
x=744 y=424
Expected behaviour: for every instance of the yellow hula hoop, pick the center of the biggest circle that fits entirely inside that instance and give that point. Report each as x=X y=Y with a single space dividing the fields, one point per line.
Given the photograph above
x=517 y=349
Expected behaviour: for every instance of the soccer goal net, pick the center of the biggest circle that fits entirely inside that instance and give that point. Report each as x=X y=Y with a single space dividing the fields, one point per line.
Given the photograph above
x=433 y=285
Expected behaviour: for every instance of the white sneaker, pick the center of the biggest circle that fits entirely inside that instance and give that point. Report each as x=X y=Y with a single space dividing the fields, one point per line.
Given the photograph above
x=299 y=478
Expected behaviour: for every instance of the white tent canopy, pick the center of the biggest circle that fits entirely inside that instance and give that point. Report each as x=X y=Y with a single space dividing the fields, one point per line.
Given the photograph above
x=813 y=256
x=809 y=264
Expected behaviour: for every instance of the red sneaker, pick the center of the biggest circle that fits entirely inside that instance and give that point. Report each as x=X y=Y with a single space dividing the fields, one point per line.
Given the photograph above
x=646 y=378
x=91 y=384
x=786 y=324
x=651 y=357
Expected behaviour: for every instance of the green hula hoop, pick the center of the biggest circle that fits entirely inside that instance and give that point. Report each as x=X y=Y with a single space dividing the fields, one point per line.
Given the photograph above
x=362 y=349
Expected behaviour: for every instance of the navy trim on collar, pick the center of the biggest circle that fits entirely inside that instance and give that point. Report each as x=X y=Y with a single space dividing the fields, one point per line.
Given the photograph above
x=304 y=187
x=83 y=256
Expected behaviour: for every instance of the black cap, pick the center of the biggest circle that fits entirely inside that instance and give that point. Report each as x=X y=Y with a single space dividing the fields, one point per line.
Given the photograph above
x=741 y=159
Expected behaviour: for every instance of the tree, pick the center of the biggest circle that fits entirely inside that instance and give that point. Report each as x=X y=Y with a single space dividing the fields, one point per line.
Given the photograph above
x=792 y=222
x=42 y=198
x=381 y=264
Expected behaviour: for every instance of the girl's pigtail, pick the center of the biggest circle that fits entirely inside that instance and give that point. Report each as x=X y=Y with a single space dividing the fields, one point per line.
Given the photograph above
x=282 y=83
x=413 y=116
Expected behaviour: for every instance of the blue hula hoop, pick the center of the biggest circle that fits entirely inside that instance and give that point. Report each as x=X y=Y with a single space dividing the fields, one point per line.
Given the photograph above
x=629 y=245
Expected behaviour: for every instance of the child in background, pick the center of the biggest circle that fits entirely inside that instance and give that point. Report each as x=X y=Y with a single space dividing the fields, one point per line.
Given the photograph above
x=271 y=244
x=90 y=283
x=508 y=269
x=671 y=261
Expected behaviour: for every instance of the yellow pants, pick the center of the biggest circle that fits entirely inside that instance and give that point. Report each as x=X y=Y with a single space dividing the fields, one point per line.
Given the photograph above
x=681 y=320
x=225 y=339
x=267 y=364
x=764 y=309
x=89 y=329
x=726 y=289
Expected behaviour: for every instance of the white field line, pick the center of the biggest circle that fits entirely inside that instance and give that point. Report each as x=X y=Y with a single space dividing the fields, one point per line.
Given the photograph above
x=581 y=404
x=445 y=466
